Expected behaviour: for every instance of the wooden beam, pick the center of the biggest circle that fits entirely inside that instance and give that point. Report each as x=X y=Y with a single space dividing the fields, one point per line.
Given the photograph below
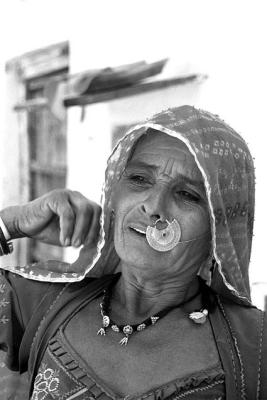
x=140 y=88
x=33 y=104
x=47 y=170
x=40 y=62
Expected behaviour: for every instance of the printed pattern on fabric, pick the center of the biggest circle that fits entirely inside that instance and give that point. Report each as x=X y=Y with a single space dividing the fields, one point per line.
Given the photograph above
x=8 y=325
x=67 y=369
x=46 y=382
x=54 y=382
x=212 y=391
x=3 y=303
x=12 y=385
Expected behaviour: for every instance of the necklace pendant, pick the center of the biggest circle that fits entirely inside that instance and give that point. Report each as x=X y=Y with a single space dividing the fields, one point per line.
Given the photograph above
x=115 y=328
x=124 y=341
x=101 y=332
x=154 y=320
x=127 y=330
x=199 y=317
x=141 y=327
x=106 y=321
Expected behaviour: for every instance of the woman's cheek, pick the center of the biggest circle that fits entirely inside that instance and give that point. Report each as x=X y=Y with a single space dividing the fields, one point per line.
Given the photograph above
x=128 y=200
x=193 y=221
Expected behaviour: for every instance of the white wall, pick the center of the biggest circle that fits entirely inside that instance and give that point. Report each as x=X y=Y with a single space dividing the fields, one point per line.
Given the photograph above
x=225 y=39
x=88 y=149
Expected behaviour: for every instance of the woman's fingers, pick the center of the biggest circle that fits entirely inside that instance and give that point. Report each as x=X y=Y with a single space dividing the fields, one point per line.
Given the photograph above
x=61 y=216
x=82 y=225
x=86 y=220
x=66 y=223
x=93 y=233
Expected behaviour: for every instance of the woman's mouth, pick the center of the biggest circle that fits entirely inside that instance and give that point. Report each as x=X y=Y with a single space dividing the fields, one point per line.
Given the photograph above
x=140 y=232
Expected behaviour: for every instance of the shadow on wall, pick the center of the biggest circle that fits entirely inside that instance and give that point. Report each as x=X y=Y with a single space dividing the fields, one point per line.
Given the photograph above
x=13 y=385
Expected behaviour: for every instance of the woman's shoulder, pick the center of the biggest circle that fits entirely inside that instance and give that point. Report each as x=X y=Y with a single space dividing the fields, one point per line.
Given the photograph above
x=247 y=328
x=241 y=314
x=246 y=323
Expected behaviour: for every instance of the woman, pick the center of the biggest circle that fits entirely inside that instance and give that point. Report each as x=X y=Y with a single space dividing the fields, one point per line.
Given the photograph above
x=164 y=310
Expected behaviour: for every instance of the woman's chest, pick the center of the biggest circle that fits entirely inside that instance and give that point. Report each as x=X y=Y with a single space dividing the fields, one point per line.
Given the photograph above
x=174 y=348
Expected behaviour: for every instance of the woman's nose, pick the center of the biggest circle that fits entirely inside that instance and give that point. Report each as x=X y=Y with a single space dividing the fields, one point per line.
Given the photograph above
x=155 y=205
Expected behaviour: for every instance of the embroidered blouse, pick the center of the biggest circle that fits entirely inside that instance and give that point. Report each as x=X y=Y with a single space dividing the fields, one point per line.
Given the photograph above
x=62 y=374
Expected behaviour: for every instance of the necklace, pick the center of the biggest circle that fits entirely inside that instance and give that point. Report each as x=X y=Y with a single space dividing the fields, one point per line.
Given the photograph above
x=197 y=316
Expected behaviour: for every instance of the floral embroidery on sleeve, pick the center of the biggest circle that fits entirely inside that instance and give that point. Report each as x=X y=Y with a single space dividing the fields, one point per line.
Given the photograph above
x=46 y=383
x=3 y=304
x=3 y=319
x=2 y=288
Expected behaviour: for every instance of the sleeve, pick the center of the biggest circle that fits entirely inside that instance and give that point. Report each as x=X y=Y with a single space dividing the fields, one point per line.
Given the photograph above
x=262 y=376
x=19 y=297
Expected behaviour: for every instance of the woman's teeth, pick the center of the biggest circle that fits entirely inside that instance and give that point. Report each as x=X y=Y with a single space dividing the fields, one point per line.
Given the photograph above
x=139 y=231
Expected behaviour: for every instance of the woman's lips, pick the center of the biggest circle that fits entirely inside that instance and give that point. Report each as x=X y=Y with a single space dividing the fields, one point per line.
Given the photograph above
x=138 y=230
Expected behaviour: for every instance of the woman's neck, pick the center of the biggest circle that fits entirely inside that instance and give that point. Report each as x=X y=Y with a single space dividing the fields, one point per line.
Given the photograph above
x=137 y=297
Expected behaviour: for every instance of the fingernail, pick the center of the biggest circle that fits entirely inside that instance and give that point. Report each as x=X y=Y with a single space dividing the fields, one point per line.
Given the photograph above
x=67 y=242
x=77 y=243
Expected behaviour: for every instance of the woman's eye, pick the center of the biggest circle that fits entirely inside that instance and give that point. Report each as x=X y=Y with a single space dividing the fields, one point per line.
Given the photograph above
x=138 y=179
x=189 y=196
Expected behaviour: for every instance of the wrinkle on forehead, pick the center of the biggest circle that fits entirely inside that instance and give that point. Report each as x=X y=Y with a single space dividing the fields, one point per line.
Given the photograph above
x=170 y=168
x=154 y=148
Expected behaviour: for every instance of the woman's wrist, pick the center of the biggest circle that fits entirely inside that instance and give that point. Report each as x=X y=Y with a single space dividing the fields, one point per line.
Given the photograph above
x=8 y=225
x=6 y=247
x=4 y=230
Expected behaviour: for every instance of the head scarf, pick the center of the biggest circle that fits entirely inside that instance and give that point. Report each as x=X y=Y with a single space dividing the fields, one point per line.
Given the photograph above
x=226 y=165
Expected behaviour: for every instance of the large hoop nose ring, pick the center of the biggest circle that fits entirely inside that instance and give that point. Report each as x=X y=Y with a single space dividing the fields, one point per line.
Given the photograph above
x=163 y=238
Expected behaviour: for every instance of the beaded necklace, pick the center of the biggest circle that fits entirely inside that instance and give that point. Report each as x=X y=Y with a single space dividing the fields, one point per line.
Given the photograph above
x=105 y=308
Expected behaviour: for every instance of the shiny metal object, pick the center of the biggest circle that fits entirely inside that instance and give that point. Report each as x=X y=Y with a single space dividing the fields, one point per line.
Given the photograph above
x=199 y=317
x=164 y=239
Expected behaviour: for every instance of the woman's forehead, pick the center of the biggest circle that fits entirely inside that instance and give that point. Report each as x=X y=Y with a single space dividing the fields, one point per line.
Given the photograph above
x=160 y=149
x=158 y=141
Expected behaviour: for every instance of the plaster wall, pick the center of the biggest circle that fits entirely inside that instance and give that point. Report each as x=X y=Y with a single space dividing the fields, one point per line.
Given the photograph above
x=225 y=40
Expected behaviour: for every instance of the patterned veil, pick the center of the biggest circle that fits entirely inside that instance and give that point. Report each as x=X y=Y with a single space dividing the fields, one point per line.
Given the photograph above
x=226 y=165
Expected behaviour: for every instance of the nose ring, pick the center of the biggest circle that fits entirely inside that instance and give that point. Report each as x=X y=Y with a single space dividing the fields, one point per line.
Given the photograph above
x=164 y=235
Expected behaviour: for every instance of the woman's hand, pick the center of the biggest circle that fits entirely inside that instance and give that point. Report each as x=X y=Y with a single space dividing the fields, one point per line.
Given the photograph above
x=61 y=217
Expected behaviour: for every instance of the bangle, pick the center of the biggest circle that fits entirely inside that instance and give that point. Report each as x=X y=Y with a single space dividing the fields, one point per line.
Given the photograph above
x=5 y=230
x=5 y=246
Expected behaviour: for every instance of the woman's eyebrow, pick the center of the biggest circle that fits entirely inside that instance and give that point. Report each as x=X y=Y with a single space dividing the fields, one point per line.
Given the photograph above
x=181 y=178
x=141 y=164
x=193 y=182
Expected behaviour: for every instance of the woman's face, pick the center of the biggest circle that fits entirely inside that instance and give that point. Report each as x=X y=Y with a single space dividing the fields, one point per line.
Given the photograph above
x=161 y=180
